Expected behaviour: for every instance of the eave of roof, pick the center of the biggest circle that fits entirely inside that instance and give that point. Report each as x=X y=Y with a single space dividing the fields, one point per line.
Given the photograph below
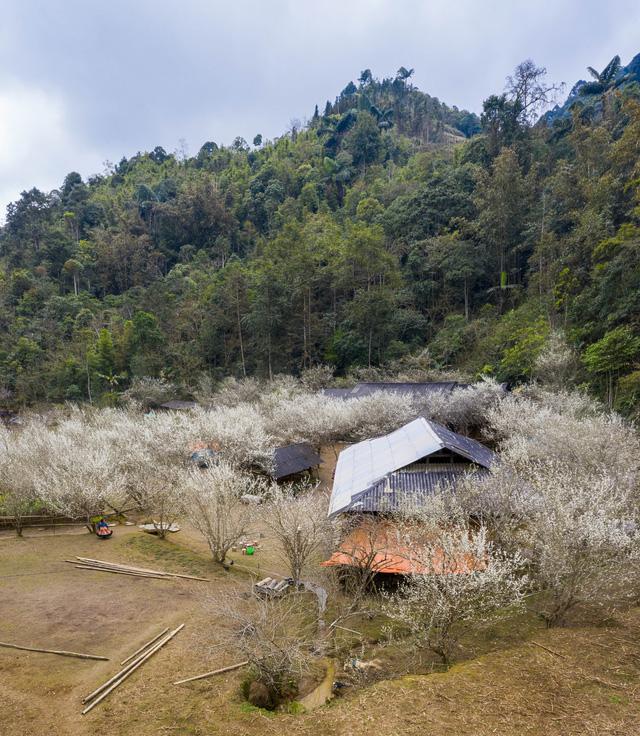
x=408 y=490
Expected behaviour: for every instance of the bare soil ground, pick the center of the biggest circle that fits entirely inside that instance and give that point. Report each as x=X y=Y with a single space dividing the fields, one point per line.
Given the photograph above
x=589 y=683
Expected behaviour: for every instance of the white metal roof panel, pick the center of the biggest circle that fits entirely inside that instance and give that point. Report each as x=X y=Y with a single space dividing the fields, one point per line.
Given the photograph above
x=364 y=463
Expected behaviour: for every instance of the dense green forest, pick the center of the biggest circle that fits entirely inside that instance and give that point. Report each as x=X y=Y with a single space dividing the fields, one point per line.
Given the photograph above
x=389 y=226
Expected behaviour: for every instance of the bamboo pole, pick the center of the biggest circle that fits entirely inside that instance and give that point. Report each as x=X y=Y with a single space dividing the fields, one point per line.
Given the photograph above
x=119 y=673
x=61 y=652
x=102 y=568
x=214 y=672
x=131 y=568
x=144 y=646
x=129 y=670
x=141 y=569
x=121 y=572
x=116 y=565
x=546 y=649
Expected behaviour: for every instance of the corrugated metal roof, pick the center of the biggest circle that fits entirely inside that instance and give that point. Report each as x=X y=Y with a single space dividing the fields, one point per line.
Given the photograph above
x=293 y=459
x=407 y=489
x=362 y=465
x=465 y=446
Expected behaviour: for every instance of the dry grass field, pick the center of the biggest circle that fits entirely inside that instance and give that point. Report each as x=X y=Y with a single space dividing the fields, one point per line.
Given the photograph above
x=577 y=680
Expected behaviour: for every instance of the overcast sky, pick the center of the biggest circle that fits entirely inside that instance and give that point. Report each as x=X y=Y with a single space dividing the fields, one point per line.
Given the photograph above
x=88 y=81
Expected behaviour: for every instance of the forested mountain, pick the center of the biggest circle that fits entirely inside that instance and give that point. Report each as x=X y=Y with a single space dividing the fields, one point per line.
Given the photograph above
x=390 y=225
x=587 y=98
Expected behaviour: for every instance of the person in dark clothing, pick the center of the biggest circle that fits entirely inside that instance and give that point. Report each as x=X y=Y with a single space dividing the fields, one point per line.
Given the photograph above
x=102 y=529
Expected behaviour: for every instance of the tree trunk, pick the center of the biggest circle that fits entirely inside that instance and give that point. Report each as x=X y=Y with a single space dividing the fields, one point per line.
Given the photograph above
x=466 y=300
x=244 y=367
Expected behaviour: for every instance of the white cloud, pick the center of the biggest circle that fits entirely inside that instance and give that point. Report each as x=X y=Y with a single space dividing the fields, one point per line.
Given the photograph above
x=89 y=81
x=36 y=143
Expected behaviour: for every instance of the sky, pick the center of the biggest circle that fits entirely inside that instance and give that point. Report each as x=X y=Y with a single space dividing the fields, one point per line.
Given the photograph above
x=84 y=82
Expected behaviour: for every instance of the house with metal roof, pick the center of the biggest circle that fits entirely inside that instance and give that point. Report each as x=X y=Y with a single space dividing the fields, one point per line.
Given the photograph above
x=404 y=467
x=415 y=390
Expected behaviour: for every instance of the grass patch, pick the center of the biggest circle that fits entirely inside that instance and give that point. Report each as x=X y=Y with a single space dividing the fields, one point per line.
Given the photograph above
x=295 y=708
x=246 y=707
x=171 y=555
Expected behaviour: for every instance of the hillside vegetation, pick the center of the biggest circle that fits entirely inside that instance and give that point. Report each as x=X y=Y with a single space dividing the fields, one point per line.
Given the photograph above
x=390 y=230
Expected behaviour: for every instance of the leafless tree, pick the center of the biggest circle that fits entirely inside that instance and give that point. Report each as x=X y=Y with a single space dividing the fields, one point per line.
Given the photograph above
x=528 y=89
x=17 y=491
x=298 y=523
x=276 y=636
x=213 y=503
x=460 y=577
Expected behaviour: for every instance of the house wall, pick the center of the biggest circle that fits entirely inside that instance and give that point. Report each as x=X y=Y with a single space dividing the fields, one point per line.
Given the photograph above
x=329 y=455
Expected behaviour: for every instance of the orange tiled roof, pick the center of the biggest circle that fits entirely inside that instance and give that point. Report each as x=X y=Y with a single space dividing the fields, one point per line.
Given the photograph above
x=380 y=547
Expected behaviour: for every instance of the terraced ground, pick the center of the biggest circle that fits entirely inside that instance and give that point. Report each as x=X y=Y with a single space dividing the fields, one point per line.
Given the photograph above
x=584 y=679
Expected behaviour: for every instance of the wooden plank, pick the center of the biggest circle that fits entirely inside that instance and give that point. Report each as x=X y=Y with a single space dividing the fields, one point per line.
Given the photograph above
x=61 y=652
x=213 y=672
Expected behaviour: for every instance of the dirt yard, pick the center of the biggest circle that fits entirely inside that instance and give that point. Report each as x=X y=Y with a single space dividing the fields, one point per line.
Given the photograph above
x=579 y=680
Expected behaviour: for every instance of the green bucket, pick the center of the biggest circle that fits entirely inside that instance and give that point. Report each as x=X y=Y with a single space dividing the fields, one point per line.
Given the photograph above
x=249 y=550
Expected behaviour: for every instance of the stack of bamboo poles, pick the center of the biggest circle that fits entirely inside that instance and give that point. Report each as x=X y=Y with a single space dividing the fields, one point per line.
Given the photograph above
x=138 y=658
x=86 y=563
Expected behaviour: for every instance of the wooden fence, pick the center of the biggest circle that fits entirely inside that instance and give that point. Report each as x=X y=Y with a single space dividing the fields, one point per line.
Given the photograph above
x=41 y=520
